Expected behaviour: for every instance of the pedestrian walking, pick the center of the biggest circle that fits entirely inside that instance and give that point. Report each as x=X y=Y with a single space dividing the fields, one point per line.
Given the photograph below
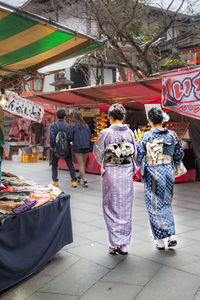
x=61 y=147
x=79 y=133
x=159 y=154
x=116 y=151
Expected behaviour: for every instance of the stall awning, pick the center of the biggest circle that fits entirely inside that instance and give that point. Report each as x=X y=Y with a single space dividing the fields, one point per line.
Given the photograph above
x=131 y=94
x=29 y=42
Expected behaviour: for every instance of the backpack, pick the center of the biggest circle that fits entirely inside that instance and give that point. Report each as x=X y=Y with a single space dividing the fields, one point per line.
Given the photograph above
x=61 y=148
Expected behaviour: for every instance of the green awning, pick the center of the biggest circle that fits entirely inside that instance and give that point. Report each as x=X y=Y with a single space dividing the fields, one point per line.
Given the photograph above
x=28 y=42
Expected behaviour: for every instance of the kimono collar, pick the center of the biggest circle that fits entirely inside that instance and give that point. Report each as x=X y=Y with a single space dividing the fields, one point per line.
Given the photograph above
x=116 y=127
x=156 y=130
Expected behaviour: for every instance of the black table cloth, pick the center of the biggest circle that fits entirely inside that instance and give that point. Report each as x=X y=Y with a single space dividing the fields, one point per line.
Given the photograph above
x=29 y=240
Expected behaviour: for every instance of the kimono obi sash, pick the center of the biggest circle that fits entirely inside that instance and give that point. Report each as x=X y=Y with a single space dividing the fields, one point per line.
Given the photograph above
x=121 y=153
x=155 y=154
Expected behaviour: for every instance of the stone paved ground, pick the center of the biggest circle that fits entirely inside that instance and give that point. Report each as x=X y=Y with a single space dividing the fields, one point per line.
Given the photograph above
x=84 y=270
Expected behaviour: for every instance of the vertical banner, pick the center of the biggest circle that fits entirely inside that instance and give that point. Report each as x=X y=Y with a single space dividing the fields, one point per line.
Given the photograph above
x=24 y=108
x=181 y=92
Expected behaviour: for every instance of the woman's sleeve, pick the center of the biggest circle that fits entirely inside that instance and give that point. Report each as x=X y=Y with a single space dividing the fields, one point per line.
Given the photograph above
x=141 y=150
x=70 y=133
x=99 y=147
x=178 y=151
x=89 y=131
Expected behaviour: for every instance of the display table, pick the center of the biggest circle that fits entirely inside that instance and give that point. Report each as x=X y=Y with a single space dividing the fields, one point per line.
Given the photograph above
x=92 y=165
x=30 y=239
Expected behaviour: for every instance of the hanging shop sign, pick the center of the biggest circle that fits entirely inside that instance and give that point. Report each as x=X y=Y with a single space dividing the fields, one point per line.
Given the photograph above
x=181 y=92
x=19 y=106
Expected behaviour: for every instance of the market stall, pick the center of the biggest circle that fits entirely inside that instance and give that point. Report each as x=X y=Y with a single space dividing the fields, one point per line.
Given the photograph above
x=29 y=132
x=35 y=223
x=133 y=95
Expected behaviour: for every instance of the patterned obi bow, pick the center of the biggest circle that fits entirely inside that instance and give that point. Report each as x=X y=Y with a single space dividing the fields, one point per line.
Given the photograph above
x=155 y=152
x=121 y=153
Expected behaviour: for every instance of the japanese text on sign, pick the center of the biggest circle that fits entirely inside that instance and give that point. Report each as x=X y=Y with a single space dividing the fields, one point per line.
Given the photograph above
x=23 y=108
x=181 y=92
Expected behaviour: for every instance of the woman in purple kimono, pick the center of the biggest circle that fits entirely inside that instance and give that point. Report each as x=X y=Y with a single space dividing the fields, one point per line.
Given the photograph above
x=116 y=151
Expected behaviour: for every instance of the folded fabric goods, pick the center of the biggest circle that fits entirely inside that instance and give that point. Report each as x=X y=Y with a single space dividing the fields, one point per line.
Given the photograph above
x=8 y=174
x=33 y=188
x=6 y=207
x=14 y=196
x=55 y=192
x=8 y=189
x=23 y=207
x=41 y=201
x=2 y=187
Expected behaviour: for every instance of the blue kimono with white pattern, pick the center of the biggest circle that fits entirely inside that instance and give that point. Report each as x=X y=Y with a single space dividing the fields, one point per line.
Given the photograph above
x=158 y=179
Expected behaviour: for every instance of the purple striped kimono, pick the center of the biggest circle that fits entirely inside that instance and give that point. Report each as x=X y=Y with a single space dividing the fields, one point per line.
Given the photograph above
x=117 y=185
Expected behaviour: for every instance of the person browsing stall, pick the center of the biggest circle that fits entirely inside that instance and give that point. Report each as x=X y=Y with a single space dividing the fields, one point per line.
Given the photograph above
x=79 y=133
x=61 y=147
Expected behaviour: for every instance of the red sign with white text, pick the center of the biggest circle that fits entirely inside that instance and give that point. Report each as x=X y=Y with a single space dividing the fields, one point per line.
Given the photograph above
x=181 y=92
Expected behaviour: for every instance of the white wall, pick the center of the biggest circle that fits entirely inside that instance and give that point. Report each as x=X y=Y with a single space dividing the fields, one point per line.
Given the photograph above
x=49 y=79
x=107 y=77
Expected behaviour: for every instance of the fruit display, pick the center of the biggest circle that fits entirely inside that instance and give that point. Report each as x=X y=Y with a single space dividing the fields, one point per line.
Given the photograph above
x=100 y=122
x=140 y=130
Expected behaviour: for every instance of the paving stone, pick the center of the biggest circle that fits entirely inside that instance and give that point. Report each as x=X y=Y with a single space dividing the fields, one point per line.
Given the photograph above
x=111 y=291
x=59 y=263
x=133 y=270
x=79 y=227
x=77 y=241
x=26 y=287
x=97 y=253
x=197 y=295
x=79 y=215
x=48 y=296
x=175 y=285
x=77 y=279
x=100 y=236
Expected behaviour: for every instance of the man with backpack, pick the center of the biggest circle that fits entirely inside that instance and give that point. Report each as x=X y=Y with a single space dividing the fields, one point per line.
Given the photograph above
x=61 y=147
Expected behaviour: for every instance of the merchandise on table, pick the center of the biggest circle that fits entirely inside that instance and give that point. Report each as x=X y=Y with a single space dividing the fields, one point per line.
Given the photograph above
x=18 y=195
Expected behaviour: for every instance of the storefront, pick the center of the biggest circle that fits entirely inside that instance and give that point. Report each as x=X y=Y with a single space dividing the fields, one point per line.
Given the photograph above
x=134 y=96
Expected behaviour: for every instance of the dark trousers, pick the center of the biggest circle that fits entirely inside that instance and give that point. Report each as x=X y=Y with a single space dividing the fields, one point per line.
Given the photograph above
x=55 y=167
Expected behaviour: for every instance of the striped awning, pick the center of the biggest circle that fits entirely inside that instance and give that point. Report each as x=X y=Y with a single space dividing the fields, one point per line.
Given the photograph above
x=29 y=42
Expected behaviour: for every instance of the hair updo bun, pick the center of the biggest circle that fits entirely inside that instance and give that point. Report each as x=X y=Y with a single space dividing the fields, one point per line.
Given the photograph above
x=117 y=111
x=155 y=115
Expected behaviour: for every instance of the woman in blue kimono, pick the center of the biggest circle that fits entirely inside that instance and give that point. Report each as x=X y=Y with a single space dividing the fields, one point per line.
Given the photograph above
x=116 y=151
x=159 y=154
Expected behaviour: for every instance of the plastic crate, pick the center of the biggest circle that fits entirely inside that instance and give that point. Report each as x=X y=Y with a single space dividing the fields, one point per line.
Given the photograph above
x=30 y=157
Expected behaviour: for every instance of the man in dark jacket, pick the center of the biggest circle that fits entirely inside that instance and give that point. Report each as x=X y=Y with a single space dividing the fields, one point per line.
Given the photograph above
x=54 y=128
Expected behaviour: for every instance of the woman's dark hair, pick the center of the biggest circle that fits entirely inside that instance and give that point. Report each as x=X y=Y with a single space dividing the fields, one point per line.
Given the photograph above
x=155 y=115
x=117 y=111
x=77 y=119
